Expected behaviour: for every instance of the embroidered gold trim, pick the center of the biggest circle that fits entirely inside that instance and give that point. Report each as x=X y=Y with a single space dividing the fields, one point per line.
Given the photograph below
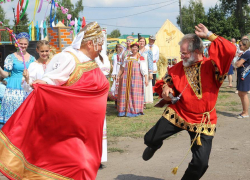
x=79 y=70
x=212 y=37
x=193 y=75
x=128 y=85
x=218 y=76
x=168 y=79
x=174 y=118
x=14 y=164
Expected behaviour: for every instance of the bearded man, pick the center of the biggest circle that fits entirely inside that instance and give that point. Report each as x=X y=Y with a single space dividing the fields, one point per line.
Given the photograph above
x=57 y=132
x=195 y=81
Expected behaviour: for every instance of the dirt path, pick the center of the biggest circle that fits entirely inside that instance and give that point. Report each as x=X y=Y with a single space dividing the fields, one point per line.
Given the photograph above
x=229 y=160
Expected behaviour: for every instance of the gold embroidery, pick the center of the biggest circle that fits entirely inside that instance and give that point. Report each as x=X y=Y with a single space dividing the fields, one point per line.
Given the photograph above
x=174 y=118
x=193 y=75
x=14 y=164
x=80 y=69
x=168 y=79
x=218 y=76
x=128 y=85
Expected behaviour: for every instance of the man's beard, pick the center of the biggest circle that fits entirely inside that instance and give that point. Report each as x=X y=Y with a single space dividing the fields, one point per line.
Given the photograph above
x=190 y=61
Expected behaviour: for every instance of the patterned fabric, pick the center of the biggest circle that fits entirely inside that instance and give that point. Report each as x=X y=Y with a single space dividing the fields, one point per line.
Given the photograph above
x=131 y=92
x=12 y=99
x=193 y=76
x=14 y=94
x=23 y=35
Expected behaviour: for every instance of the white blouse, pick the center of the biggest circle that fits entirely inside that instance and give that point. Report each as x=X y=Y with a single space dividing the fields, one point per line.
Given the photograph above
x=117 y=64
x=36 y=71
x=142 y=63
x=62 y=65
x=105 y=66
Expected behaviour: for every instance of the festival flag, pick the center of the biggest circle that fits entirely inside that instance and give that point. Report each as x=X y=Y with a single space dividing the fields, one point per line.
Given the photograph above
x=41 y=30
x=45 y=28
x=83 y=22
x=76 y=24
x=30 y=28
x=79 y=23
x=37 y=31
x=32 y=31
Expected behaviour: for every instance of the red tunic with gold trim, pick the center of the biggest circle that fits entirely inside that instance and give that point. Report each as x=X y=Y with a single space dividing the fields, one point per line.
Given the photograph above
x=57 y=132
x=202 y=81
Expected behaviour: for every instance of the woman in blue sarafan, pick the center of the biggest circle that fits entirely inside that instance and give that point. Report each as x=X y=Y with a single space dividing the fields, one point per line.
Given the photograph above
x=13 y=73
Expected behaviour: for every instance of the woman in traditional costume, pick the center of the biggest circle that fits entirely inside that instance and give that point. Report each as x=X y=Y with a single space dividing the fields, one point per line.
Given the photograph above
x=131 y=91
x=13 y=73
x=36 y=69
x=148 y=56
x=117 y=62
x=57 y=131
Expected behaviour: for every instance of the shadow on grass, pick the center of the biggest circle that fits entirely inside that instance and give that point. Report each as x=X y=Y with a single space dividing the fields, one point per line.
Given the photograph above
x=134 y=177
x=111 y=110
x=228 y=114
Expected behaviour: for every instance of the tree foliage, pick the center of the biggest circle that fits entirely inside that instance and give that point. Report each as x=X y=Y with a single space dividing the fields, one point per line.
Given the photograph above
x=236 y=8
x=74 y=10
x=191 y=16
x=4 y=34
x=114 y=34
x=23 y=24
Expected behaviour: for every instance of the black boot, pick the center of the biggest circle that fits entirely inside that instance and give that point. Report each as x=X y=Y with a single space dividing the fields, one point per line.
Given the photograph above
x=148 y=153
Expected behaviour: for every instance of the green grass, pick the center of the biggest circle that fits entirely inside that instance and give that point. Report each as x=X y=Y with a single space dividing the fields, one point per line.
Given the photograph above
x=136 y=127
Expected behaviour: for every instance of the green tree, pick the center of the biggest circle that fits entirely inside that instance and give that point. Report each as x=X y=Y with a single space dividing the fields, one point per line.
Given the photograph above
x=4 y=34
x=220 y=23
x=114 y=34
x=236 y=8
x=74 y=10
x=191 y=16
x=23 y=24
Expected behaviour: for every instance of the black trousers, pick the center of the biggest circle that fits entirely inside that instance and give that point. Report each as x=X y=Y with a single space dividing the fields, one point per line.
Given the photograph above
x=154 y=79
x=199 y=163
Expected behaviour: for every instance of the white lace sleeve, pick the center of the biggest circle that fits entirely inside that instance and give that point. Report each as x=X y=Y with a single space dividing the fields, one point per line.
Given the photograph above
x=8 y=63
x=59 y=69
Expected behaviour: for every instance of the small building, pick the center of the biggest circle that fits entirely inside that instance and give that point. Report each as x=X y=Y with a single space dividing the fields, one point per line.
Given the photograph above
x=167 y=39
x=123 y=38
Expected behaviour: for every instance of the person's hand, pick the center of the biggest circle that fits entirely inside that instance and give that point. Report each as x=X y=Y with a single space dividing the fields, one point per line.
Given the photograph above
x=150 y=76
x=117 y=78
x=165 y=93
x=240 y=54
x=26 y=75
x=38 y=82
x=113 y=76
x=201 y=31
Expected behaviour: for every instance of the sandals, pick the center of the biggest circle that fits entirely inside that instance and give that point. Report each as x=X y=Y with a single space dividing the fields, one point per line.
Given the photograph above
x=241 y=116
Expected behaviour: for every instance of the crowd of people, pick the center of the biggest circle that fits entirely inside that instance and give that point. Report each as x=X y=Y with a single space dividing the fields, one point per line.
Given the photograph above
x=53 y=112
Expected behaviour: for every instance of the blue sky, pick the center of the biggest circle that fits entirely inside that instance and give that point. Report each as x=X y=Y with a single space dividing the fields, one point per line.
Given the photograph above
x=154 y=18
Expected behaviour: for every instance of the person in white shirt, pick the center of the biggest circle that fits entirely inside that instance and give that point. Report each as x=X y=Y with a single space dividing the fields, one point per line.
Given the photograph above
x=155 y=51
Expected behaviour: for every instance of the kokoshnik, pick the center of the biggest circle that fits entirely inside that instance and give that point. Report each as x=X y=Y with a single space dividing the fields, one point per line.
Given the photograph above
x=57 y=132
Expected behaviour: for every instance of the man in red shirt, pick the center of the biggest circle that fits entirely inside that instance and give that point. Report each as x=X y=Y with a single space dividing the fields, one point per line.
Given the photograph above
x=195 y=81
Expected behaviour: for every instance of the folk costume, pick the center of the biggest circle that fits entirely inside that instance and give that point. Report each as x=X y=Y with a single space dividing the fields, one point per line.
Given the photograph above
x=195 y=111
x=148 y=90
x=14 y=93
x=57 y=132
x=131 y=93
x=36 y=71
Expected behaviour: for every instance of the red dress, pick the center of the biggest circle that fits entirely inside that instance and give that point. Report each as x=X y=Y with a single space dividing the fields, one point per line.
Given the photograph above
x=57 y=132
